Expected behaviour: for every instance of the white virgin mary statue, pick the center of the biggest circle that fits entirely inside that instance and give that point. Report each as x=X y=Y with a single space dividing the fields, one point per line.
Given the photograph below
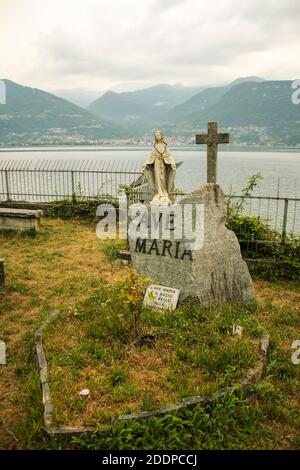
x=159 y=171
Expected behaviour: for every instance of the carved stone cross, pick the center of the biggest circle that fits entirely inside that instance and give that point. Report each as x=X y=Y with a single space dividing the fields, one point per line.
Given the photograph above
x=212 y=139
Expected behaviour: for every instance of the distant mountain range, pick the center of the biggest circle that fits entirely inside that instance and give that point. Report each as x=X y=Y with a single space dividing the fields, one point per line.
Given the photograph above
x=206 y=98
x=135 y=110
x=33 y=116
x=260 y=113
x=256 y=111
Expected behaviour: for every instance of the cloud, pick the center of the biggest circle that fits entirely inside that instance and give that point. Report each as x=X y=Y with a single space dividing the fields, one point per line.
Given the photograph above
x=162 y=5
x=100 y=44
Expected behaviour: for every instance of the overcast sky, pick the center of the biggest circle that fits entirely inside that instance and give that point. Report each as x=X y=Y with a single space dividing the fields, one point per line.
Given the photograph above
x=127 y=44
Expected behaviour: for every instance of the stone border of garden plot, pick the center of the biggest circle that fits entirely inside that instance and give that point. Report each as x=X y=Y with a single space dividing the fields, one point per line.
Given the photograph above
x=42 y=367
x=253 y=376
x=2 y=276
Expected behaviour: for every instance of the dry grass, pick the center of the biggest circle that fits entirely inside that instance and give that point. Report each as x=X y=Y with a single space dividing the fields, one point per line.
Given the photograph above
x=59 y=269
x=93 y=341
x=42 y=274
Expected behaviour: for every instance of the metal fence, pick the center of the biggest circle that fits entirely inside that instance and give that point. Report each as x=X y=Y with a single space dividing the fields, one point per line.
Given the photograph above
x=49 y=180
x=280 y=214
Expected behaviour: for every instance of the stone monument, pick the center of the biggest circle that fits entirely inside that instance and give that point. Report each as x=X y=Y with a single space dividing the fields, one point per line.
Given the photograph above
x=212 y=273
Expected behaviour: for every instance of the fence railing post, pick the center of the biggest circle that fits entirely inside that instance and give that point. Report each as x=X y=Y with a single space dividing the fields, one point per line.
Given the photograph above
x=73 y=186
x=7 y=185
x=284 y=222
x=128 y=202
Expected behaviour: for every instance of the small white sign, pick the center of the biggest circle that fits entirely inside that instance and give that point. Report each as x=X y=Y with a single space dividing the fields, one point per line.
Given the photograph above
x=161 y=297
x=2 y=353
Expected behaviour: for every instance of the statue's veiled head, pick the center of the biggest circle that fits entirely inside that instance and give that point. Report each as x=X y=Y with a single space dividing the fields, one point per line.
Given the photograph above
x=159 y=136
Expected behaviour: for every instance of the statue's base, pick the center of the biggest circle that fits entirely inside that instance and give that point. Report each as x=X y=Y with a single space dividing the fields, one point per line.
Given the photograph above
x=160 y=201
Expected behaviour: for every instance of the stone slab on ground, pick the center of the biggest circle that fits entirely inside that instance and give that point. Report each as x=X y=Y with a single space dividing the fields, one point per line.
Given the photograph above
x=19 y=219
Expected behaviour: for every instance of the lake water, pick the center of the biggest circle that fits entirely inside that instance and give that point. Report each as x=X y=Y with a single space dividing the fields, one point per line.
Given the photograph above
x=280 y=170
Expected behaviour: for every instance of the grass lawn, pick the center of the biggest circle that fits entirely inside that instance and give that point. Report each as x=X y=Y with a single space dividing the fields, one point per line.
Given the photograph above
x=93 y=345
x=172 y=355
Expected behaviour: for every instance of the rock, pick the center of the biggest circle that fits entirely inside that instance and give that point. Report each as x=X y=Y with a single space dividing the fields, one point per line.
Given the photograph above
x=85 y=393
x=264 y=344
x=2 y=353
x=213 y=274
x=237 y=330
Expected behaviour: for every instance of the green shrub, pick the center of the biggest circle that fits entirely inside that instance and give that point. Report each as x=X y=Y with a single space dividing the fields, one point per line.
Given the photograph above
x=112 y=247
x=118 y=375
x=259 y=240
x=81 y=208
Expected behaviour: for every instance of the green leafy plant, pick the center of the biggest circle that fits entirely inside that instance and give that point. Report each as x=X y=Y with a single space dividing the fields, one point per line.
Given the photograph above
x=112 y=248
x=78 y=207
x=131 y=293
x=238 y=207
x=259 y=240
x=118 y=375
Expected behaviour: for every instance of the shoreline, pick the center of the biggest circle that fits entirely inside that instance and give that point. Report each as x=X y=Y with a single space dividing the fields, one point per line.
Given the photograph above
x=122 y=147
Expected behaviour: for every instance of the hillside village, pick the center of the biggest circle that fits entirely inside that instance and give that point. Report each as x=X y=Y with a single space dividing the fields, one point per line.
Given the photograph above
x=257 y=113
